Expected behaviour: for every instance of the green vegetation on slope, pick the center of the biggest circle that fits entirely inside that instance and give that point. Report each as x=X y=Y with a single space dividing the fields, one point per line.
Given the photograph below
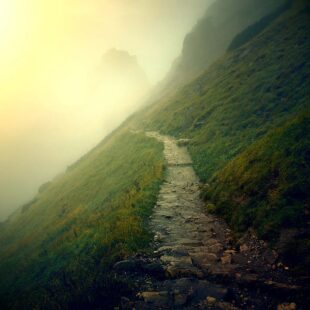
x=241 y=97
x=57 y=251
x=250 y=96
x=255 y=29
x=247 y=141
x=266 y=185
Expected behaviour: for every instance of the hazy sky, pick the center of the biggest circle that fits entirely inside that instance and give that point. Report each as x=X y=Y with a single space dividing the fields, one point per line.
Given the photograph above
x=50 y=51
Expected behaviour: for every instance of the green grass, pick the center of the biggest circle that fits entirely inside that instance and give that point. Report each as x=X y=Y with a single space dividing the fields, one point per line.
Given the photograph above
x=58 y=250
x=248 y=139
x=253 y=30
x=241 y=97
x=266 y=186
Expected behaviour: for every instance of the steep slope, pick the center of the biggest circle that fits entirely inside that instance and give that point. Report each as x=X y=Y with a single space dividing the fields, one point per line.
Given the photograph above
x=243 y=113
x=212 y=35
x=249 y=93
x=255 y=29
x=56 y=251
x=266 y=187
x=238 y=99
x=250 y=192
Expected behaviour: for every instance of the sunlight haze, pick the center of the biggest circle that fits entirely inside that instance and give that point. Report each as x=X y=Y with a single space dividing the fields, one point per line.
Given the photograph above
x=60 y=95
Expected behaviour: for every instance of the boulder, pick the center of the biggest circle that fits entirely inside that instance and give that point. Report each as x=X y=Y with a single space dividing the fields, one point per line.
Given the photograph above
x=157 y=298
x=244 y=248
x=211 y=301
x=174 y=272
x=287 y=306
x=226 y=259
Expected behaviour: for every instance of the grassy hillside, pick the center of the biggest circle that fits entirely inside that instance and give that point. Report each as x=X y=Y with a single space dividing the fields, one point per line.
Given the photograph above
x=266 y=185
x=242 y=96
x=56 y=251
x=246 y=118
x=245 y=138
x=253 y=30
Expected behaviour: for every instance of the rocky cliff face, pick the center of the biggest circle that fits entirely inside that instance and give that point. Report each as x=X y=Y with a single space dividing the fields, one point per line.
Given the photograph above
x=121 y=80
x=212 y=35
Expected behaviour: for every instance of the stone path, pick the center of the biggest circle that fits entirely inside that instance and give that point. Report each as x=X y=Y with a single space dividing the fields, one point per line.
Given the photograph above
x=190 y=242
x=195 y=265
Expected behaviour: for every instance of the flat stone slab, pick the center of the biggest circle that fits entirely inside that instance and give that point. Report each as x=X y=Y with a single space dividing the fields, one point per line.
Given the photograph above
x=180 y=260
x=158 y=298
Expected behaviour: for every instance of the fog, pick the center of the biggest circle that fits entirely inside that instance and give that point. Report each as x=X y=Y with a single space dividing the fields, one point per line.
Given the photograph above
x=71 y=71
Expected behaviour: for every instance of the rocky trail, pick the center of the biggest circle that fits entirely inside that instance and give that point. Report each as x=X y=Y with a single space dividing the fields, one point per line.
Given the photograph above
x=196 y=263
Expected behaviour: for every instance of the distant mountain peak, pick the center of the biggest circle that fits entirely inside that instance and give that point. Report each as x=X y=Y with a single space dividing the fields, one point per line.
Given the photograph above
x=122 y=66
x=116 y=57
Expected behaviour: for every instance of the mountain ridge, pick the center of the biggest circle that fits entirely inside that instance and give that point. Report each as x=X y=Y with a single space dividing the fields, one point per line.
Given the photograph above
x=98 y=213
x=269 y=80
x=222 y=21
